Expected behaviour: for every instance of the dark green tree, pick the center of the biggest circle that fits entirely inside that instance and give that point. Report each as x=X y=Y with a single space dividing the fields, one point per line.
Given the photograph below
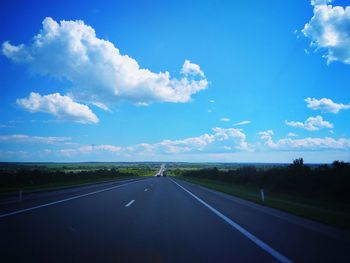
x=298 y=162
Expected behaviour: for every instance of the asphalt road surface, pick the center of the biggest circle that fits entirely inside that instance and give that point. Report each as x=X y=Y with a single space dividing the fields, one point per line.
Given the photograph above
x=160 y=219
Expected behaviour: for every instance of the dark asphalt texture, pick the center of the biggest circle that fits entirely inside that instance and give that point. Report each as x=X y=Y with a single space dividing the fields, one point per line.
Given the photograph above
x=164 y=224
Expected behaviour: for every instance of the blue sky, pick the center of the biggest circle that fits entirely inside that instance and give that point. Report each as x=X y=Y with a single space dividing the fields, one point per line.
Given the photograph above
x=232 y=81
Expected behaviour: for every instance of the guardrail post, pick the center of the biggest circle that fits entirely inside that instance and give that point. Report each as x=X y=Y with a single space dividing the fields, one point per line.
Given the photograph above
x=262 y=195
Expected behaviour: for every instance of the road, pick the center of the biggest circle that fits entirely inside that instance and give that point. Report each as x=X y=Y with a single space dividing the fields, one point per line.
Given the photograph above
x=161 y=219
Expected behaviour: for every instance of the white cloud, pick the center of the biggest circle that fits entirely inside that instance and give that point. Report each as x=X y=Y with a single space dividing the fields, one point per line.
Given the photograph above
x=266 y=134
x=103 y=147
x=23 y=138
x=185 y=145
x=307 y=143
x=87 y=149
x=320 y=2
x=189 y=68
x=219 y=141
x=63 y=107
x=233 y=139
x=328 y=30
x=99 y=73
x=267 y=137
x=102 y=106
x=16 y=53
x=242 y=123
x=212 y=101
x=311 y=123
x=225 y=119
x=292 y=134
x=205 y=142
x=315 y=143
x=237 y=135
x=311 y=143
x=325 y=105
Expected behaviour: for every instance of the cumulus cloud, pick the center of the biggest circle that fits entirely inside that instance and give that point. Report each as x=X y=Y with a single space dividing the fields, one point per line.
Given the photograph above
x=23 y=138
x=185 y=145
x=325 y=105
x=308 y=143
x=237 y=135
x=225 y=119
x=267 y=137
x=233 y=139
x=311 y=123
x=328 y=30
x=320 y=2
x=62 y=107
x=189 y=68
x=315 y=143
x=99 y=73
x=242 y=123
x=205 y=142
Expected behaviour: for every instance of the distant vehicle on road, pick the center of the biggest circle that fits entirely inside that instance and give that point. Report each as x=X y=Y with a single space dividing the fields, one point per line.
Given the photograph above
x=161 y=171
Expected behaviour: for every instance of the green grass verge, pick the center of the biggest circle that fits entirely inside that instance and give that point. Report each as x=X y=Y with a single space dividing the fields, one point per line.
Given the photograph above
x=324 y=211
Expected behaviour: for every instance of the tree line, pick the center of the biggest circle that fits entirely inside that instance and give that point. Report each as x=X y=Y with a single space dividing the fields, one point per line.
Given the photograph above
x=12 y=178
x=323 y=181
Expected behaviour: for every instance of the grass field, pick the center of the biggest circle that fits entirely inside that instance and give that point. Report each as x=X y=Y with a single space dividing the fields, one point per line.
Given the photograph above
x=32 y=176
x=323 y=211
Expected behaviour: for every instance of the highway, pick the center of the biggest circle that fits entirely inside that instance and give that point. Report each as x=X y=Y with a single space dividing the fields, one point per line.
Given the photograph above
x=160 y=219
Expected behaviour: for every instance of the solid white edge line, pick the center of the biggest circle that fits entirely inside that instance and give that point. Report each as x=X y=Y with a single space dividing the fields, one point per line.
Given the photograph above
x=243 y=231
x=130 y=203
x=61 y=201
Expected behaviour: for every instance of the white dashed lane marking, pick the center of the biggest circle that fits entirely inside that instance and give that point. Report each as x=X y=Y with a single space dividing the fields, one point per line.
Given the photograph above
x=130 y=203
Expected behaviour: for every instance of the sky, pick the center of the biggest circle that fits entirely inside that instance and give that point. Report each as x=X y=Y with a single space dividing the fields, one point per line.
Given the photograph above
x=193 y=81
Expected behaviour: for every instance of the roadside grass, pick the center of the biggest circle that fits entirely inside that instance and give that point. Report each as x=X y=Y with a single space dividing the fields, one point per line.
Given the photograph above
x=324 y=211
x=139 y=172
